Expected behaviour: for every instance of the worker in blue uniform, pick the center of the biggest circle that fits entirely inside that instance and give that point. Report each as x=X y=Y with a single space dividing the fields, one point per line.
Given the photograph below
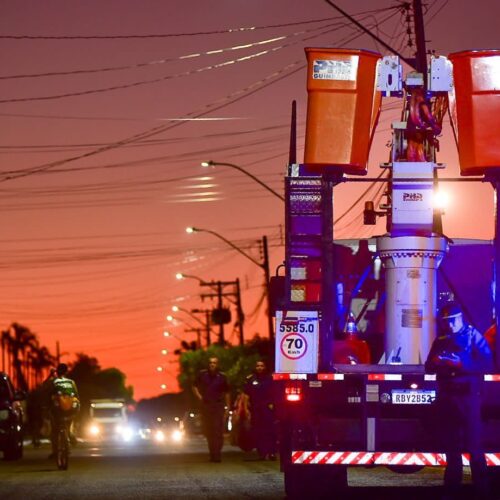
x=258 y=390
x=460 y=356
x=212 y=390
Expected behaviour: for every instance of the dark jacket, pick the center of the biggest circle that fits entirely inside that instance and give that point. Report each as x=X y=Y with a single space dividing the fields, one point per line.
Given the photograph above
x=469 y=345
x=259 y=389
x=212 y=387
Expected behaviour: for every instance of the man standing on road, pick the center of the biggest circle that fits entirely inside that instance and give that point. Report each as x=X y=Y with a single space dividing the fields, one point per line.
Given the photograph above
x=212 y=390
x=460 y=357
x=260 y=406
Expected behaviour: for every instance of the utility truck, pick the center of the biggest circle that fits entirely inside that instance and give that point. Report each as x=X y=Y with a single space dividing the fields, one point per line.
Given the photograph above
x=108 y=420
x=335 y=414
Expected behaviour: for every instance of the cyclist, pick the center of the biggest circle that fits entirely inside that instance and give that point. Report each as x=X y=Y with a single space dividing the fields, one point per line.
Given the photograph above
x=64 y=403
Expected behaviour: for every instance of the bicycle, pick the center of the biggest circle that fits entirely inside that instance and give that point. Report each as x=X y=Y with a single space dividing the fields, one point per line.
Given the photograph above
x=62 y=450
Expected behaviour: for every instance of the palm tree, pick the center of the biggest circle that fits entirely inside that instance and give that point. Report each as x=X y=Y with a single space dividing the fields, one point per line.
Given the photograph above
x=6 y=351
x=42 y=360
x=23 y=339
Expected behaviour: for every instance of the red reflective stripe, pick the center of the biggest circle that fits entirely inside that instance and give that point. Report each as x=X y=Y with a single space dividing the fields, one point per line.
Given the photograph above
x=361 y=458
x=493 y=459
x=290 y=376
x=330 y=376
x=385 y=376
x=382 y=458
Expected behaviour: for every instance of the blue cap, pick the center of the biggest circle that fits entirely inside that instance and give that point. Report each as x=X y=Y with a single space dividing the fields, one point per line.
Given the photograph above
x=450 y=310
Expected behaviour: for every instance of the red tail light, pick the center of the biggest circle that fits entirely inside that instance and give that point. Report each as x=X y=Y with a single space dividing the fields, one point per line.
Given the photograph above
x=293 y=393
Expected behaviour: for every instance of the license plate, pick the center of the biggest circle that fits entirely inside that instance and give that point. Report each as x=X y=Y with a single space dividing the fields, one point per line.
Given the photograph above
x=412 y=397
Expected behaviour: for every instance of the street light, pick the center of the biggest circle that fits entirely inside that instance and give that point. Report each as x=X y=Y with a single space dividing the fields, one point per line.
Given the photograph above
x=212 y=163
x=212 y=284
x=206 y=325
x=173 y=319
x=263 y=265
x=191 y=229
x=169 y=334
x=181 y=276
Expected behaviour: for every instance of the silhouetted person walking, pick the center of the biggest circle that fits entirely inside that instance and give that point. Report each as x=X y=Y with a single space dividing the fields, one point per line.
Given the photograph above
x=259 y=391
x=212 y=390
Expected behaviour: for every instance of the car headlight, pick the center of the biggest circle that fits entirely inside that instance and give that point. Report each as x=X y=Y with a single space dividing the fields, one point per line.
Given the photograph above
x=159 y=436
x=94 y=430
x=127 y=433
x=4 y=414
x=177 y=436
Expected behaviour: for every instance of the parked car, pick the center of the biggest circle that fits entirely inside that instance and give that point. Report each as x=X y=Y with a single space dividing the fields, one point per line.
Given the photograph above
x=11 y=419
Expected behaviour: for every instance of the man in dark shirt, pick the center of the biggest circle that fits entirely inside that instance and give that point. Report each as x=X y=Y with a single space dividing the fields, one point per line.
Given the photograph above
x=460 y=357
x=259 y=391
x=212 y=390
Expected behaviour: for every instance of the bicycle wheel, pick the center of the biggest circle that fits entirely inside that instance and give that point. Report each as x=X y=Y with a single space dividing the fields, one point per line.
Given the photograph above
x=62 y=448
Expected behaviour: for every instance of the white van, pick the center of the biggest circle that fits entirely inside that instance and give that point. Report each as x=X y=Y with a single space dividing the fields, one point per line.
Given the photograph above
x=108 y=420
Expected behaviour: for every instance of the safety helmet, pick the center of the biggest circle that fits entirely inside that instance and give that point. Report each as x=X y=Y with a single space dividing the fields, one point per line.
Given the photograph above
x=450 y=310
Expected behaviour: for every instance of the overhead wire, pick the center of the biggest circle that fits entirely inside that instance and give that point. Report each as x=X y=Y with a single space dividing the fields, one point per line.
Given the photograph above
x=55 y=148
x=431 y=18
x=176 y=75
x=274 y=77
x=158 y=62
x=229 y=99
x=136 y=83
x=185 y=34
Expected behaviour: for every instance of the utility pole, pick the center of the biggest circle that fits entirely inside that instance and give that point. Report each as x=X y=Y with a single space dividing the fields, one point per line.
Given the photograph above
x=241 y=316
x=220 y=293
x=3 y=352
x=267 y=277
x=222 y=340
x=58 y=352
x=198 y=335
x=421 y=54
x=207 y=322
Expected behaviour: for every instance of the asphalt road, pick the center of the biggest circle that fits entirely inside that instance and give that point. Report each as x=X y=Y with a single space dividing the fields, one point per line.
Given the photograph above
x=182 y=471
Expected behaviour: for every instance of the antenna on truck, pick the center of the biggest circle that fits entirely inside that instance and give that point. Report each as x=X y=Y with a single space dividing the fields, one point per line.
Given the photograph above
x=292 y=155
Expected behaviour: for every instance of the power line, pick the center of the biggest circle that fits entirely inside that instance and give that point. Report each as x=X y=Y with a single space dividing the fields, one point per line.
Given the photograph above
x=55 y=148
x=137 y=83
x=236 y=96
x=229 y=99
x=171 y=35
x=158 y=62
x=177 y=75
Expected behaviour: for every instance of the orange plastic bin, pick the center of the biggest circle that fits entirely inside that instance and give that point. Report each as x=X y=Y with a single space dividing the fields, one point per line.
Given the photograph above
x=342 y=109
x=475 y=109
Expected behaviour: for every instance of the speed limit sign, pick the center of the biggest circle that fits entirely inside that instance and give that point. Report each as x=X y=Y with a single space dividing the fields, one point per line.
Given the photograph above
x=297 y=341
x=293 y=346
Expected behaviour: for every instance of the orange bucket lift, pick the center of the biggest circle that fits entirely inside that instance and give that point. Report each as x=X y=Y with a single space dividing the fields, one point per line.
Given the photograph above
x=475 y=109
x=342 y=109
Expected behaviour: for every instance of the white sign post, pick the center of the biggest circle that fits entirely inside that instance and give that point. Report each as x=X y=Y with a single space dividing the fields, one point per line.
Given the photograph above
x=297 y=337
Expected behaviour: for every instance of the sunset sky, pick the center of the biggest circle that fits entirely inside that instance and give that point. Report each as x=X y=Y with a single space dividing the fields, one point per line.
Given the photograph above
x=107 y=108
